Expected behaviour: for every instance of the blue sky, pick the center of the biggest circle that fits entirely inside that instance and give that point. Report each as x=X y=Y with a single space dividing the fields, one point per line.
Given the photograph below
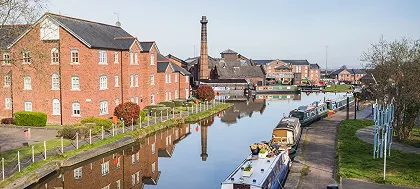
x=264 y=29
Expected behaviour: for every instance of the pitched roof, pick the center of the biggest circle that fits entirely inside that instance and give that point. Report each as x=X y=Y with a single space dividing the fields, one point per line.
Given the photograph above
x=228 y=51
x=162 y=66
x=94 y=34
x=196 y=60
x=177 y=59
x=296 y=62
x=262 y=62
x=352 y=71
x=314 y=66
x=282 y=67
x=179 y=69
x=146 y=46
x=161 y=58
x=9 y=33
x=231 y=69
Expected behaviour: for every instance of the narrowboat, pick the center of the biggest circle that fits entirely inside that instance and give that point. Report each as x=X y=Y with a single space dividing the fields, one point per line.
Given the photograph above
x=339 y=104
x=287 y=134
x=310 y=113
x=264 y=168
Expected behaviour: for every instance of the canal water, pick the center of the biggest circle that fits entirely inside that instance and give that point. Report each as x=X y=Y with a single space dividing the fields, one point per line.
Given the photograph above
x=190 y=156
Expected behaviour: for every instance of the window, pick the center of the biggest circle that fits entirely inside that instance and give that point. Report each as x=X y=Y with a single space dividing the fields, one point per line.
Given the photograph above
x=176 y=77
x=153 y=167
x=117 y=102
x=115 y=57
x=103 y=83
x=187 y=93
x=106 y=187
x=136 y=79
x=116 y=81
x=75 y=83
x=131 y=58
x=105 y=168
x=27 y=83
x=6 y=58
x=152 y=59
x=167 y=78
x=78 y=173
x=55 y=56
x=27 y=57
x=137 y=100
x=103 y=108
x=118 y=183
x=166 y=96
x=8 y=103
x=138 y=177
x=28 y=106
x=170 y=96
x=102 y=57
x=132 y=99
x=55 y=82
x=74 y=56
x=153 y=148
x=76 y=108
x=137 y=156
x=187 y=79
x=136 y=58
x=118 y=162
x=131 y=80
x=176 y=94
x=152 y=79
x=132 y=159
x=7 y=80
x=133 y=179
x=56 y=106
x=152 y=99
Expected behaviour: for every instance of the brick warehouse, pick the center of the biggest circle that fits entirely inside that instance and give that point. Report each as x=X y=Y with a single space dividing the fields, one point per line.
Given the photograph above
x=71 y=68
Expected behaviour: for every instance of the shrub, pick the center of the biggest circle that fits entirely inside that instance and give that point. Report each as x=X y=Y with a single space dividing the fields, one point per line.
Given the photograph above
x=179 y=102
x=142 y=114
x=98 y=121
x=9 y=120
x=128 y=111
x=168 y=104
x=24 y=118
x=189 y=104
x=148 y=109
x=205 y=93
x=69 y=131
x=161 y=111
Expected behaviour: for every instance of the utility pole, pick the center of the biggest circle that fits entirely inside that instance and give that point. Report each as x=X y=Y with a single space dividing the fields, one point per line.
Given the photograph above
x=326 y=60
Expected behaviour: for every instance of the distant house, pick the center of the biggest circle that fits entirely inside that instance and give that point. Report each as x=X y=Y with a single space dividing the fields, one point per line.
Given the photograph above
x=348 y=75
x=315 y=73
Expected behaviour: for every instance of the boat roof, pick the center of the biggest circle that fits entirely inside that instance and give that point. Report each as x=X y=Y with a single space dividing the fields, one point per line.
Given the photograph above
x=287 y=123
x=257 y=164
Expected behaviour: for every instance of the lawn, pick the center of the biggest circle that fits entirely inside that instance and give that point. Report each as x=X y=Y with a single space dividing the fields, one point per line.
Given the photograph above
x=355 y=159
x=201 y=115
x=414 y=139
x=338 y=88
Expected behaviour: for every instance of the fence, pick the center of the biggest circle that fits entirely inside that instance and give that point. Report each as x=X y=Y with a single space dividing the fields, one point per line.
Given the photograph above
x=19 y=162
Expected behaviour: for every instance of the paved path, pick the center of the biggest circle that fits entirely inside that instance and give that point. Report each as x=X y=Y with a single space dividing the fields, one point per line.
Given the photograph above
x=358 y=184
x=366 y=134
x=12 y=138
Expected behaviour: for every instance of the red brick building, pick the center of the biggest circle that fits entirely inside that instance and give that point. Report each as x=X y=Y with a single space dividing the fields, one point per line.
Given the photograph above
x=348 y=75
x=71 y=68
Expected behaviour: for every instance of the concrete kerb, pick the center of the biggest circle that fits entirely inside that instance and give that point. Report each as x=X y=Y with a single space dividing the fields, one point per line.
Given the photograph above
x=26 y=127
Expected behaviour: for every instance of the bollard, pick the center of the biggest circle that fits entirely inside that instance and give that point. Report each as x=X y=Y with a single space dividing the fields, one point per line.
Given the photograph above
x=113 y=130
x=167 y=114
x=148 y=121
x=132 y=124
x=45 y=150
x=200 y=107
x=77 y=140
x=90 y=136
x=2 y=167
x=102 y=129
x=161 y=117
x=196 y=108
x=19 y=160
x=123 y=127
x=140 y=122
x=62 y=145
x=33 y=154
x=173 y=112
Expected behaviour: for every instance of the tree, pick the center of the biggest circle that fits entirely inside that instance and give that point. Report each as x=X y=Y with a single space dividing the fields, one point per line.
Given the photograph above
x=205 y=93
x=395 y=67
x=129 y=112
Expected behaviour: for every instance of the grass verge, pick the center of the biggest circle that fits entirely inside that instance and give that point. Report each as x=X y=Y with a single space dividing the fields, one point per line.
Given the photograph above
x=201 y=115
x=338 y=88
x=414 y=139
x=355 y=159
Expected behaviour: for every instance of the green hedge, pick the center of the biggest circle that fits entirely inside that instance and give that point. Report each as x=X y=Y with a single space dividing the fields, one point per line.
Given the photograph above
x=98 y=121
x=161 y=110
x=168 y=104
x=24 y=118
x=179 y=102
x=148 y=109
x=189 y=104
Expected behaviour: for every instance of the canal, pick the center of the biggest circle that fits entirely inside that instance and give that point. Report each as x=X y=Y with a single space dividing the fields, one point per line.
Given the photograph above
x=192 y=156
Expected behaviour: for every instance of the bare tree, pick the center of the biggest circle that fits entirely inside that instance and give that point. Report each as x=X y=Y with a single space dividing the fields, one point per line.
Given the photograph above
x=395 y=67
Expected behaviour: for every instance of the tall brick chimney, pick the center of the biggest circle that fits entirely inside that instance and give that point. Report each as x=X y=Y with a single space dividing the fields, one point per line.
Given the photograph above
x=204 y=57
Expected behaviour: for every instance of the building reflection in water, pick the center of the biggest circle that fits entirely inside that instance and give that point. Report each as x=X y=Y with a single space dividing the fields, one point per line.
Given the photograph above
x=132 y=166
x=204 y=124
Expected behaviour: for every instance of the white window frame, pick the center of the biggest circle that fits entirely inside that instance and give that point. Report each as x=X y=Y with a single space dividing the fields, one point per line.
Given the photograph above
x=136 y=80
x=137 y=100
x=131 y=58
x=116 y=79
x=132 y=99
x=106 y=187
x=131 y=80
x=6 y=59
x=176 y=77
x=103 y=82
x=133 y=159
x=103 y=57
x=75 y=108
x=187 y=93
x=133 y=179
x=55 y=81
x=153 y=167
x=55 y=56
x=187 y=79
x=166 y=96
x=56 y=106
x=103 y=107
x=154 y=148
x=117 y=102
x=118 y=162
x=166 y=77
x=118 y=184
x=78 y=173
x=170 y=95
x=75 y=83
x=28 y=106
x=152 y=79
x=7 y=80
x=152 y=59
x=136 y=58
x=26 y=57
x=138 y=177
x=27 y=83
x=152 y=99
x=138 y=156
x=115 y=57
x=74 y=56
x=105 y=168
x=8 y=103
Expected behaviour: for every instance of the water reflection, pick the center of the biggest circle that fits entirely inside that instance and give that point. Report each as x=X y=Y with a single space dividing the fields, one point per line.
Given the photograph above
x=132 y=166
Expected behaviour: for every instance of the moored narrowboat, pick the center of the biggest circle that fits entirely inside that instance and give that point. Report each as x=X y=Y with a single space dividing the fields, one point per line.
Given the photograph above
x=310 y=113
x=287 y=134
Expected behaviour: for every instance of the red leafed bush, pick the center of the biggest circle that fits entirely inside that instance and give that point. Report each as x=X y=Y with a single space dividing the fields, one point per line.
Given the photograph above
x=128 y=111
x=205 y=93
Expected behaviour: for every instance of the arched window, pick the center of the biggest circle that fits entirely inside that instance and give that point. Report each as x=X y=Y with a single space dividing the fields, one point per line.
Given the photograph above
x=56 y=106
x=55 y=56
x=55 y=80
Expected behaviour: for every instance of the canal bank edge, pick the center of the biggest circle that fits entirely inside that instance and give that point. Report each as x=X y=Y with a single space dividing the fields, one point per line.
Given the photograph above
x=40 y=169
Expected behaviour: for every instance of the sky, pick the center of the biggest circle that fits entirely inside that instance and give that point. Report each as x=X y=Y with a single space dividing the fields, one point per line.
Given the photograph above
x=262 y=29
